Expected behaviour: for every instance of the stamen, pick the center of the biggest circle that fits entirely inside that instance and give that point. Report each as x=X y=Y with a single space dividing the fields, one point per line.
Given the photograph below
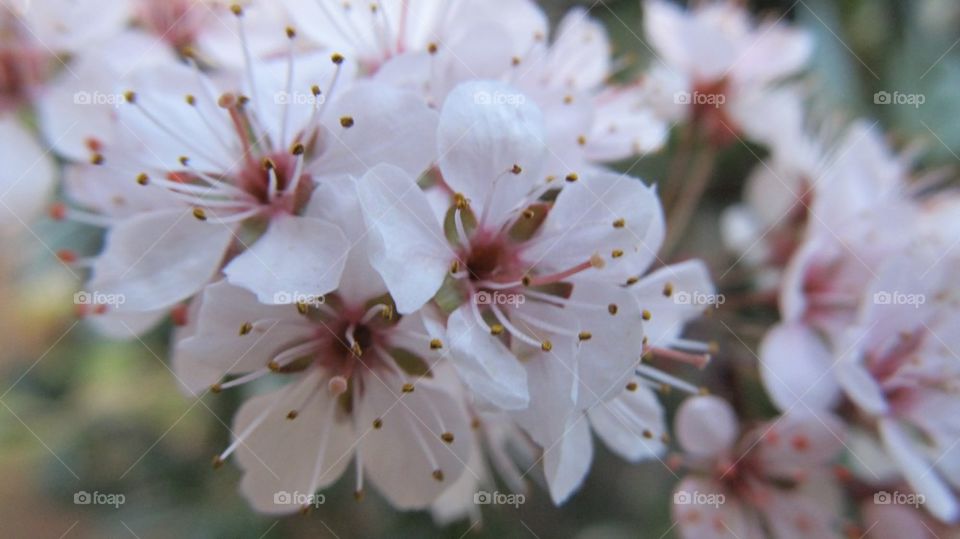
x=667 y=379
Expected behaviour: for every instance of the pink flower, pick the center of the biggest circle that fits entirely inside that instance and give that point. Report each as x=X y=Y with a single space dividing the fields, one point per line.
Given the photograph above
x=731 y=66
x=773 y=481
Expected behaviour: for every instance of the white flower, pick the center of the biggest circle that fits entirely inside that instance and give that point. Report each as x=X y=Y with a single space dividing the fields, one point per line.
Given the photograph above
x=543 y=328
x=773 y=481
x=362 y=382
x=219 y=164
x=731 y=66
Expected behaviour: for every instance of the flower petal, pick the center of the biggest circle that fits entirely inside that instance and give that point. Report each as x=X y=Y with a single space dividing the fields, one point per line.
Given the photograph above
x=485 y=365
x=706 y=426
x=387 y=125
x=297 y=256
x=404 y=455
x=485 y=129
x=280 y=456
x=158 y=259
x=407 y=244
x=796 y=368
x=632 y=424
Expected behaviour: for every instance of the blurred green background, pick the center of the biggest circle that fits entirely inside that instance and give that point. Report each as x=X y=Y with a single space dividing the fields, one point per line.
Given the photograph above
x=78 y=413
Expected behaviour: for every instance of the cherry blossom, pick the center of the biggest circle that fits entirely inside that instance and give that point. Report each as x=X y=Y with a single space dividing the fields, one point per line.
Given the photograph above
x=774 y=480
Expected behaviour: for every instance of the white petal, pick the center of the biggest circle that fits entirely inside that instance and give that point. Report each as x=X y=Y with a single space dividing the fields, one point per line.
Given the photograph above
x=581 y=224
x=485 y=129
x=297 y=256
x=608 y=358
x=158 y=259
x=296 y=457
x=567 y=460
x=389 y=126
x=624 y=423
x=669 y=314
x=407 y=244
x=796 y=367
x=396 y=455
x=485 y=365
x=861 y=387
x=919 y=472
x=706 y=426
x=28 y=177
x=217 y=347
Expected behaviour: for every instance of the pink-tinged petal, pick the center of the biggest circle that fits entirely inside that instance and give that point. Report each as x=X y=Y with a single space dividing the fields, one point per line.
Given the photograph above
x=704 y=509
x=406 y=455
x=217 y=346
x=798 y=443
x=297 y=256
x=796 y=368
x=158 y=125
x=110 y=189
x=602 y=214
x=793 y=515
x=706 y=426
x=766 y=115
x=552 y=376
x=487 y=128
x=580 y=52
x=919 y=472
x=407 y=244
x=625 y=124
x=485 y=365
x=66 y=25
x=456 y=503
x=702 y=43
x=778 y=51
x=80 y=103
x=286 y=460
x=632 y=424
x=374 y=123
x=125 y=325
x=671 y=295
x=28 y=178
x=889 y=521
x=526 y=25
x=607 y=359
x=566 y=461
x=159 y=259
x=861 y=387
x=336 y=201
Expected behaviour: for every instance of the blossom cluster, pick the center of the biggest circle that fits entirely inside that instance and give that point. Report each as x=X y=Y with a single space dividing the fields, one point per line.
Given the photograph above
x=396 y=228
